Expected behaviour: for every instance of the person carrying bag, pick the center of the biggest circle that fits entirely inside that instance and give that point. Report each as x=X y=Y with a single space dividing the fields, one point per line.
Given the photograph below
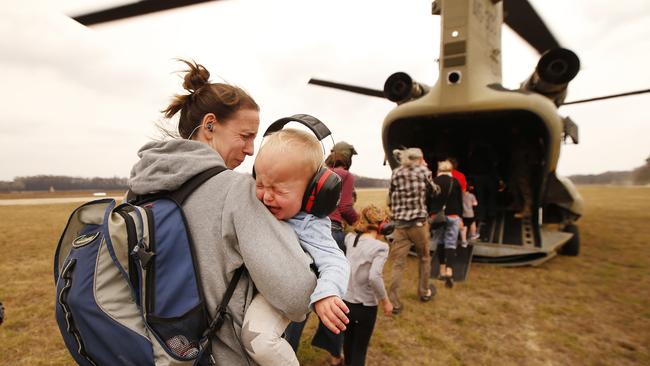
x=452 y=209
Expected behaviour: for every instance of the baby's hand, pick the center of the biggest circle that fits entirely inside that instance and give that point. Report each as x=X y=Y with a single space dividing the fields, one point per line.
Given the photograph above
x=331 y=311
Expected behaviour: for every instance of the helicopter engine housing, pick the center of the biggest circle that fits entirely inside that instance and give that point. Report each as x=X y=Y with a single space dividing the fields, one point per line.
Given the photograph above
x=401 y=88
x=555 y=69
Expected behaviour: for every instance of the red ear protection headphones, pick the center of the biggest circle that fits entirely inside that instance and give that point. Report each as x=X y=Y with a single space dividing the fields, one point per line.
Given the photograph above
x=323 y=193
x=324 y=189
x=386 y=227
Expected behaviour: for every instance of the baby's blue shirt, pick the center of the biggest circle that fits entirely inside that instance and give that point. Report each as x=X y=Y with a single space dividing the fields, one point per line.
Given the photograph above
x=315 y=236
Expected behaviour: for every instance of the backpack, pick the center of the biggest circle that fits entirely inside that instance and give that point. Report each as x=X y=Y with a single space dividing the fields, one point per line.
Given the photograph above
x=128 y=290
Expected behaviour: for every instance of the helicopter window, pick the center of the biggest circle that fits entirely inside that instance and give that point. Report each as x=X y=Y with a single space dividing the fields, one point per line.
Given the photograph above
x=453 y=77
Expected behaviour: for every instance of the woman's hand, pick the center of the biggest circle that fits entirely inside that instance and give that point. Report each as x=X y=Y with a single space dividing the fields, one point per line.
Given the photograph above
x=331 y=311
x=386 y=306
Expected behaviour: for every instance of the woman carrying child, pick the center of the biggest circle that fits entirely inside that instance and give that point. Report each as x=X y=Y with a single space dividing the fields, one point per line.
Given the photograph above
x=217 y=126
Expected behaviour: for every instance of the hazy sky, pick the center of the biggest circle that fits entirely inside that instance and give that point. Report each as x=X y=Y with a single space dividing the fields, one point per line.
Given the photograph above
x=81 y=101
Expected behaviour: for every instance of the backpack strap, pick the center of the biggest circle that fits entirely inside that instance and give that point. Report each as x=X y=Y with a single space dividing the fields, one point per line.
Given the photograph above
x=222 y=309
x=451 y=184
x=356 y=239
x=181 y=194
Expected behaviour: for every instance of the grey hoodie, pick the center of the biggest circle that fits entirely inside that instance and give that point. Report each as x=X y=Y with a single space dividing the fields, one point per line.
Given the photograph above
x=230 y=227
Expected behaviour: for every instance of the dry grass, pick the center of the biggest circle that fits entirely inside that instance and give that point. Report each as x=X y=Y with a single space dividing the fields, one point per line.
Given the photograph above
x=593 y=309
x=43 y=194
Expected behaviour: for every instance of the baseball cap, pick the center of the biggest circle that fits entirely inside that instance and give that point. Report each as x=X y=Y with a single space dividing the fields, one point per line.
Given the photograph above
x=344 y=148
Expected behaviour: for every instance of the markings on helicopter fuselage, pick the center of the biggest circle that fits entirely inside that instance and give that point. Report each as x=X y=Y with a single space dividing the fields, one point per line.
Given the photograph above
x=499 y=87
x=454 y=48
x=453 y=61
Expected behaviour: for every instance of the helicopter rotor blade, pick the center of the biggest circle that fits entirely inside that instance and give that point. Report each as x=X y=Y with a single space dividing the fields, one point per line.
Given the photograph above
x=524 y=20
x=347 y=87
x=132 y=10
x=608 y=96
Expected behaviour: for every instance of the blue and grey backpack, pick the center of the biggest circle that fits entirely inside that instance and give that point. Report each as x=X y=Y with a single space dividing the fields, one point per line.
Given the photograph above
x=128 y=290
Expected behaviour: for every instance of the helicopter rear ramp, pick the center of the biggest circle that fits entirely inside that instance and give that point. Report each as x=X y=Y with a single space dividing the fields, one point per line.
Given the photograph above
x=508 y=241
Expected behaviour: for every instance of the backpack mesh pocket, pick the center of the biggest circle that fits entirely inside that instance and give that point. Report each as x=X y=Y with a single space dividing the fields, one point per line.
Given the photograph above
x=180 y=336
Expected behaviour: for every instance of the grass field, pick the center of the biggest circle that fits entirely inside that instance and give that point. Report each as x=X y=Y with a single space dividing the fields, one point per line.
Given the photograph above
x=588 y=310
x=43 y=194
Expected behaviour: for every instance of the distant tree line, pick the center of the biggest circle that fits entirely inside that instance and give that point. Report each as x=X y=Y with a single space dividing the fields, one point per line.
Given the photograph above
x=638 y=176
x=65 y=183
x=641 y=175
x=365 y=182
x=62 y=183
x=603 y=178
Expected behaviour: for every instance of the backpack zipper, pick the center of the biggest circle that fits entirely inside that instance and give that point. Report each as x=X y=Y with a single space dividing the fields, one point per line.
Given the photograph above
x=151 y=271
x=131 y=236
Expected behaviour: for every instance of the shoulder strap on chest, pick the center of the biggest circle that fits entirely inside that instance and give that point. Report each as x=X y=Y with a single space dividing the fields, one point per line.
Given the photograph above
x=181 y=194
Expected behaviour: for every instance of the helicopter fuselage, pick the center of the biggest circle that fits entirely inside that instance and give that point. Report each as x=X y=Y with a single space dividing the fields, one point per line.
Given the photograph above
x=502 y=139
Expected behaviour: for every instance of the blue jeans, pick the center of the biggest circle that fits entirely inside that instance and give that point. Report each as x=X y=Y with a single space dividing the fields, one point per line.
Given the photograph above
x=452 y=228
x=339 y=237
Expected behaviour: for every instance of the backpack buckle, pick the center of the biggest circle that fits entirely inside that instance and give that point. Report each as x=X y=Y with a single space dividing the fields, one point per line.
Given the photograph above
x=217 y=321
x=144 y=256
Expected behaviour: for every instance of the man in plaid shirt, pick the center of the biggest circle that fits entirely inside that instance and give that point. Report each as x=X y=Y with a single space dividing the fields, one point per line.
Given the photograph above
x=410 y=184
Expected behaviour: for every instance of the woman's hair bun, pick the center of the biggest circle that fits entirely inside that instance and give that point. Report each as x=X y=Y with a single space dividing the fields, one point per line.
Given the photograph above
x=197 y=76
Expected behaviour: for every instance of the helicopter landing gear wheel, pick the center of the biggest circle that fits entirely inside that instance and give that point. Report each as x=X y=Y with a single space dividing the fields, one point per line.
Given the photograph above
x=572 y=247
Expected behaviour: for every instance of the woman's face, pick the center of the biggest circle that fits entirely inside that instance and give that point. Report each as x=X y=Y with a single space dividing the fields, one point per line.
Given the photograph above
x=233 y=138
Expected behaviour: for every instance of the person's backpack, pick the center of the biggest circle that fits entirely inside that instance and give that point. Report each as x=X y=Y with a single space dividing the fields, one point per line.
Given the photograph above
x=128 y=290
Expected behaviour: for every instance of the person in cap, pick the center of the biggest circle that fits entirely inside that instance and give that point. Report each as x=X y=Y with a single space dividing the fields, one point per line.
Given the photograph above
x=340 y=160
x=410 y=185
x=342 y=150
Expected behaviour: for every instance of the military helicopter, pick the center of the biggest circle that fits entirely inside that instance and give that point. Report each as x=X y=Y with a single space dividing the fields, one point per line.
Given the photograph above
x=469 y=96
x=514 y=144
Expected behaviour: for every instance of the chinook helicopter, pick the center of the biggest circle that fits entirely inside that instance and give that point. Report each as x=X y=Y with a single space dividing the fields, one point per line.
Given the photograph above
x=469 y=96
x=516 y=135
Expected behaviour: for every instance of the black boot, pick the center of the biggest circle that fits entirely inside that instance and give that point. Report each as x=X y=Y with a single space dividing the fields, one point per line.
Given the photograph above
x=450 y=254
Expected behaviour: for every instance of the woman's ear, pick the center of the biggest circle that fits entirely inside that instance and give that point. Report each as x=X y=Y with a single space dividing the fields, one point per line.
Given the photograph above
x=209 y=119
x=208 y=124
x=206 y=129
